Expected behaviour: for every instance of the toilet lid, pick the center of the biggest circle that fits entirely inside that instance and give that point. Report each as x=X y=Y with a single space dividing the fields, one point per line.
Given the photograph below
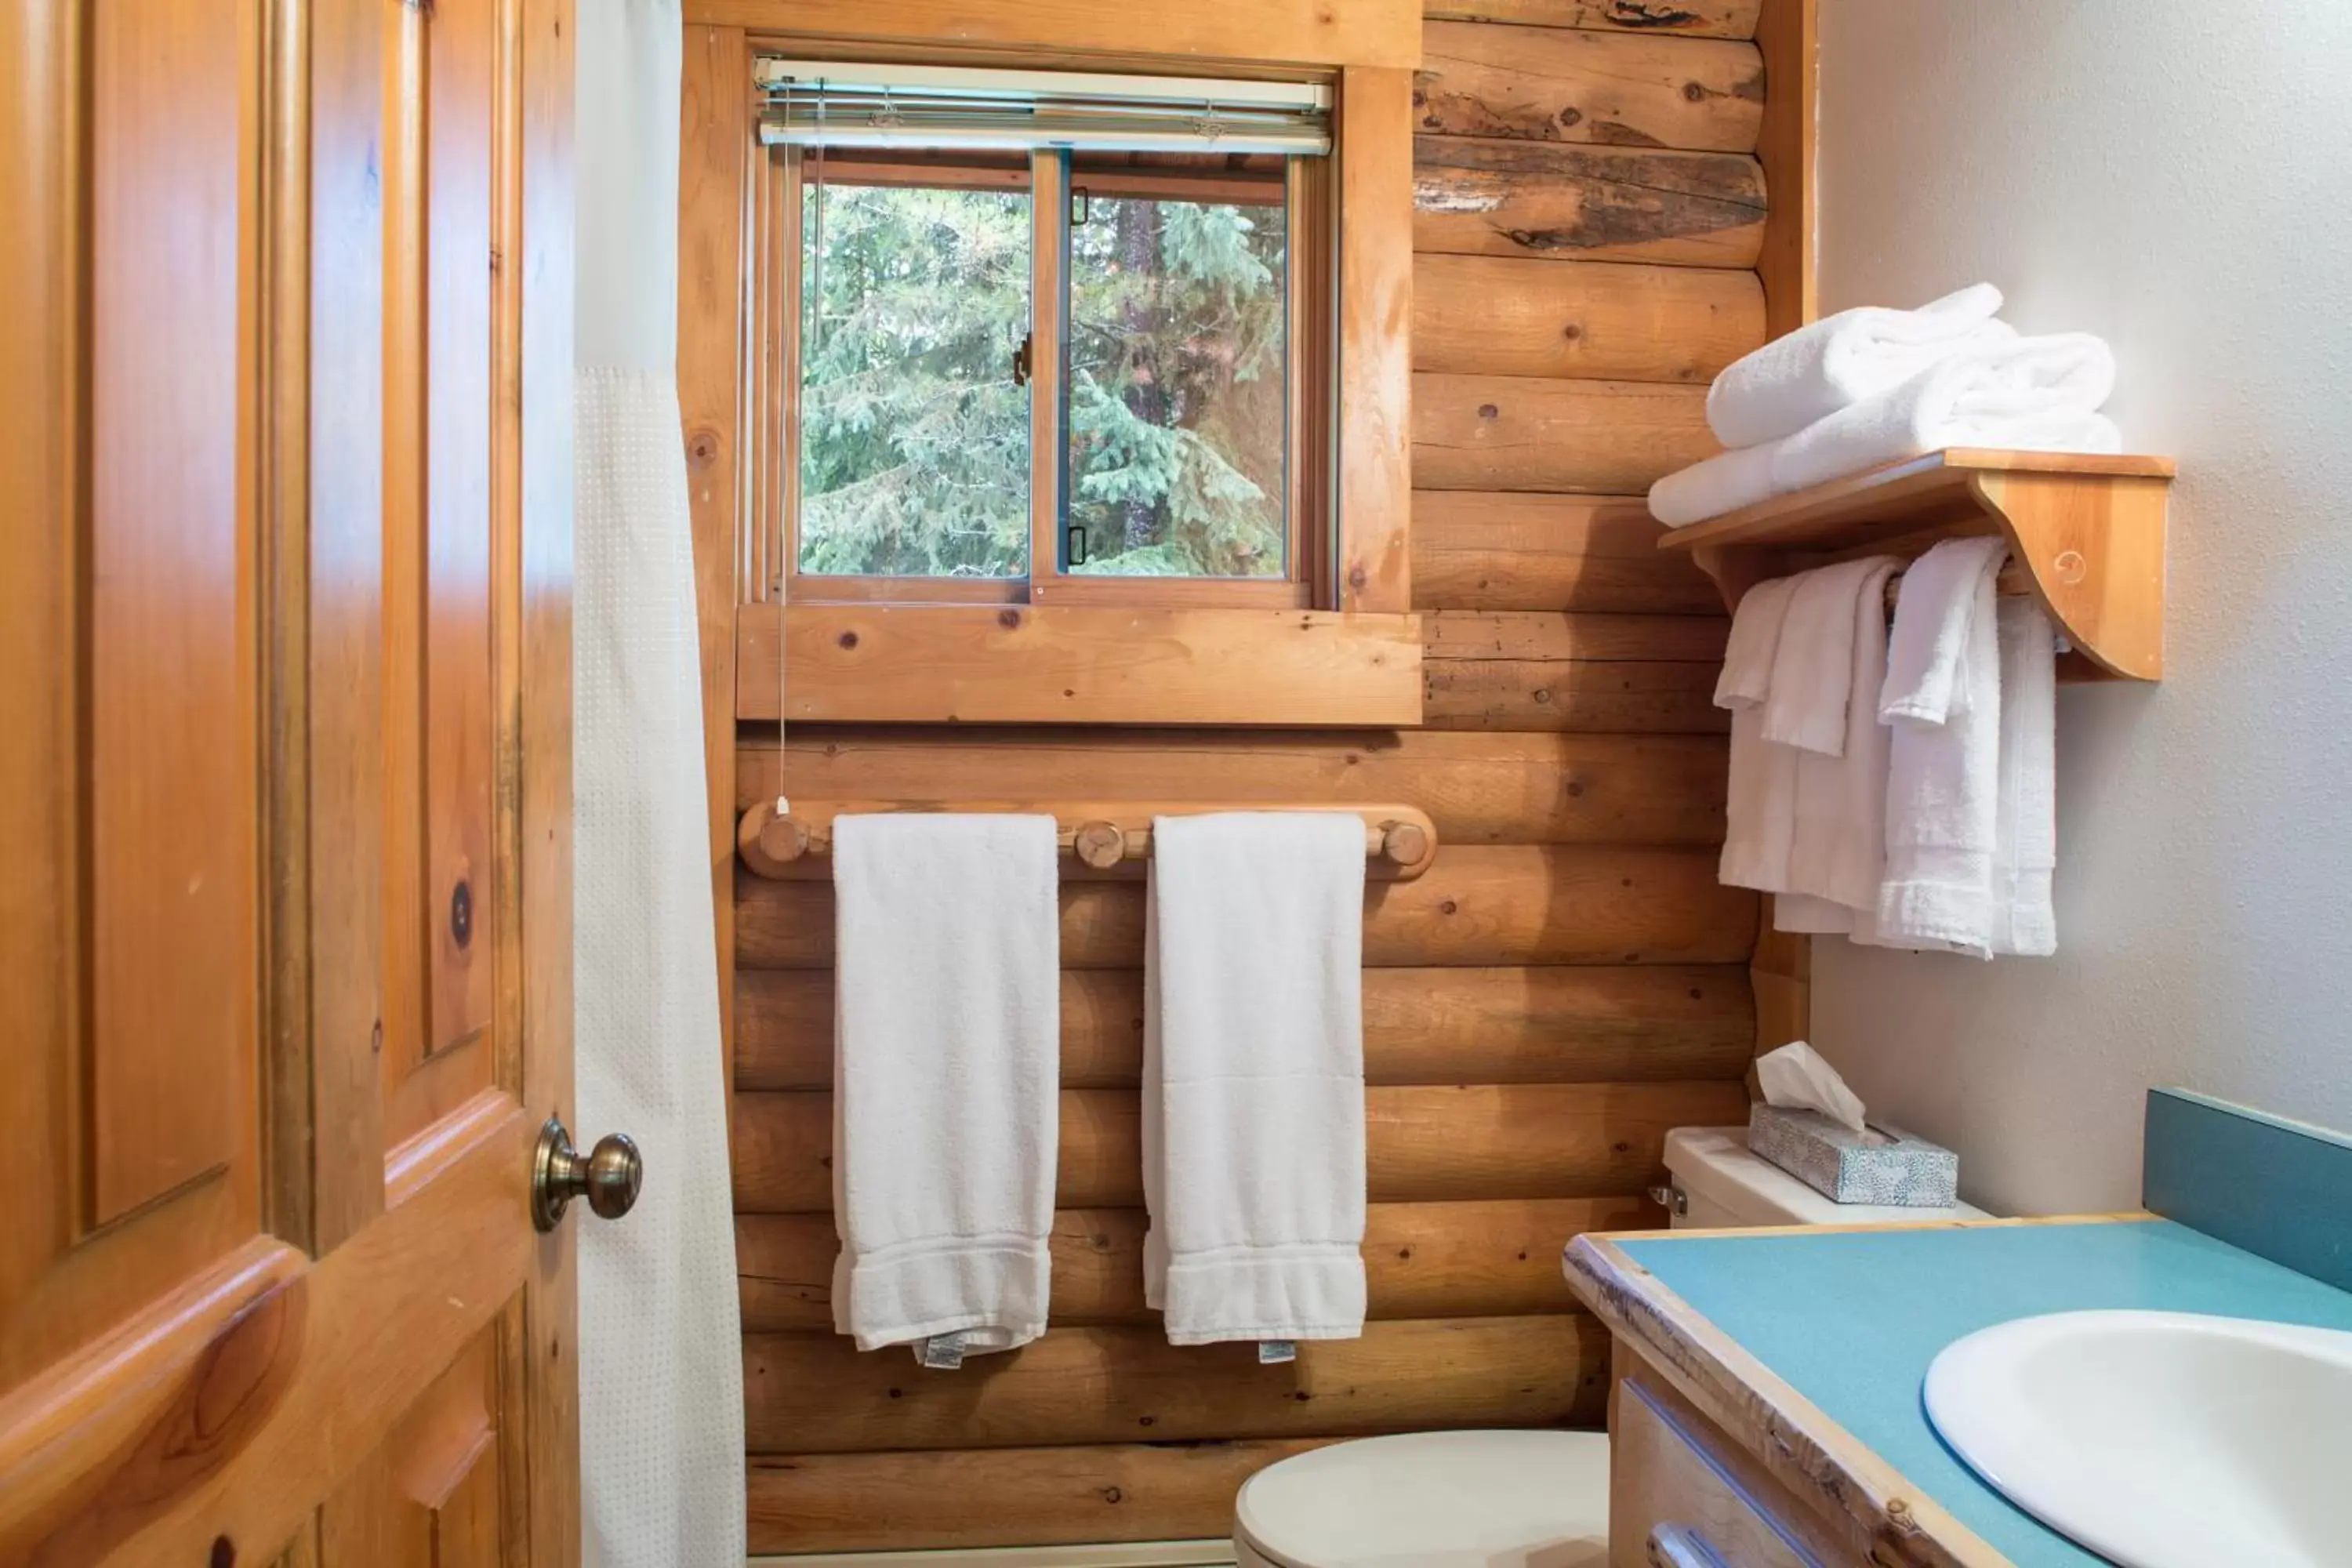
x=1468 y=1499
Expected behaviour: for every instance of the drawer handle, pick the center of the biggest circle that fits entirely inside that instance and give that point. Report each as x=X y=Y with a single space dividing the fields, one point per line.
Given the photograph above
x=1680 y=1546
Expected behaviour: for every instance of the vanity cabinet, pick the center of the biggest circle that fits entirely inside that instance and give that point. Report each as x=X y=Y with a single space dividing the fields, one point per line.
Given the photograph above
x=1684 y=1494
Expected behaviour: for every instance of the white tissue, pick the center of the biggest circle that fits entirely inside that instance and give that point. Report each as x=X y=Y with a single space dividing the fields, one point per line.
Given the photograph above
x=1796 y=1076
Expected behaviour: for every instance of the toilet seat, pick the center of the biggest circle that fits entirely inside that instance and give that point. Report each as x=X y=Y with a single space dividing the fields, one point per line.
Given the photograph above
x=1432 y=1499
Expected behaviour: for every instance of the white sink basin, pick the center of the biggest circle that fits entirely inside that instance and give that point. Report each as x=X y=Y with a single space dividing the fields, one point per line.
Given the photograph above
x=2161 y=1439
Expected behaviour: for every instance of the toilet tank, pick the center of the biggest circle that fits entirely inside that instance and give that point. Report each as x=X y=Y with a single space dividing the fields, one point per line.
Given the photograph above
x=1717 y=1183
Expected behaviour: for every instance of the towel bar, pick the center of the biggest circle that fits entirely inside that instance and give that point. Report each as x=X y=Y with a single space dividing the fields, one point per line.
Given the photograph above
x=1101 y=839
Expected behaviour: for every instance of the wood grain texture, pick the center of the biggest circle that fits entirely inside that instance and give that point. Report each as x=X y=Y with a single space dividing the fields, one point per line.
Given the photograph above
x=1477 y=789
x=1518 y=433
x=1574 y=698
x=1424 y=1143
x=1553 y=84
x=1073 y=664
x=1376 y=290
x=1787 y=38
x=1670 y=1467
x=977 y=1497
x=1472 y=1259
x=1553 y=1024
x=1479 y=906
x=1692 y=18
x=1492 y=315
x=1481 y=550
x=714 y=168
x=815 y=1393
x=1547 y=635
x=1289 y=32
x=1553 y=201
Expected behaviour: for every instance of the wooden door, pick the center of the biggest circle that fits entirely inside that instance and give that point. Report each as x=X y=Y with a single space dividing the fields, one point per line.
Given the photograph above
x=285 y=747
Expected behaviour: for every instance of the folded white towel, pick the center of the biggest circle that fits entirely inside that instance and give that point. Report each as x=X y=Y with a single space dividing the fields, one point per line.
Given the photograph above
x=946 y=1059
x=1724 y=483
x=1837 y=853
x=2035 y=394
x=1942 y=700
x=2025 y=846
x=1818 y=369
x=2031 y=394
x=1759 y=808
x=1254 y=1077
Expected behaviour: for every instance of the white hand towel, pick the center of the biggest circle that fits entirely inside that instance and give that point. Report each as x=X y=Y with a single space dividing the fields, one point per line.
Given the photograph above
x=1812 y=667
x=1818 y=369
x=2025 y=846
x=1254 y=1077
x=946 y=1065
x=1837 y=854
x=1759 y=808
x=1724 y=483
x=1942 y=701
x=2035 y=394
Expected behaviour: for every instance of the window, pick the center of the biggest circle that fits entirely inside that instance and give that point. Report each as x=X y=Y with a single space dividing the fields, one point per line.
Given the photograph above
x=1051 y=336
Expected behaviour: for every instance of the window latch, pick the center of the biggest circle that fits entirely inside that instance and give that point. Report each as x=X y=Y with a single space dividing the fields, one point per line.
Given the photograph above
x=1025 y=360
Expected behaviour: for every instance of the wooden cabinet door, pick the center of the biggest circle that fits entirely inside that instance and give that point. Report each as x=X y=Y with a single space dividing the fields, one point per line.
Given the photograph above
x=285 y=777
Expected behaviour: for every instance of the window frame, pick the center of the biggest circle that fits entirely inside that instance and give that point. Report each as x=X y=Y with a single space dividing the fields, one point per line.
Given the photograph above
x=774 y=275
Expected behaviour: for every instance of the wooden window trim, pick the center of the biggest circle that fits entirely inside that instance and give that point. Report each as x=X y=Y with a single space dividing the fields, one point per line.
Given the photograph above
x=1110 y=650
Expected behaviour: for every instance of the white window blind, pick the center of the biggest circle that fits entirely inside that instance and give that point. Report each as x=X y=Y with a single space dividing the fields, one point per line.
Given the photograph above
x=813 y=103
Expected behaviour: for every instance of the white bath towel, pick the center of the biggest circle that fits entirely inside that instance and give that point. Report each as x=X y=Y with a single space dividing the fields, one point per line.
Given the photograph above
x=2035 y=394
x=1837 y=854
x=2025 y=844
x=2032 y=394
x=1819 y=368
x=1942 y=700
x=1254 y=1077
x=946 y=1065
x=1759 y=808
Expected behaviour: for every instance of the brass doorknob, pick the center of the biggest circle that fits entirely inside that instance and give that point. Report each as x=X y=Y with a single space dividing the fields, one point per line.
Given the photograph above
x=608 y=1176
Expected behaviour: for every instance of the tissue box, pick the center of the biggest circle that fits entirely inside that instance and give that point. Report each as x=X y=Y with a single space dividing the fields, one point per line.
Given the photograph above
x=1878 y=1165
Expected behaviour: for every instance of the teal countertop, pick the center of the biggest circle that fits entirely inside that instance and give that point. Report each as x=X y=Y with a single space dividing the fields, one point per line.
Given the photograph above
x=1850 y=1320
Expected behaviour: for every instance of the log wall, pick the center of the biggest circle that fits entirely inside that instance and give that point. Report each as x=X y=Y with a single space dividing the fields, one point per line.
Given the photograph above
x=1568 y=980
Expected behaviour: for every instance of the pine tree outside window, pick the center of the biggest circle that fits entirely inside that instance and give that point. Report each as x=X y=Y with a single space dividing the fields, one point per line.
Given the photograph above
x=1090 y=373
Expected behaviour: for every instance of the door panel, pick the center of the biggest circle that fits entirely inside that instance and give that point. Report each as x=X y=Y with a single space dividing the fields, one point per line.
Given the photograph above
x=285 y=679
x=171 y=738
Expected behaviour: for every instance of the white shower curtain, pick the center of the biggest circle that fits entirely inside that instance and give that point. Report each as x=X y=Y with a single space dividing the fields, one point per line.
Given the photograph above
x=661 y=1372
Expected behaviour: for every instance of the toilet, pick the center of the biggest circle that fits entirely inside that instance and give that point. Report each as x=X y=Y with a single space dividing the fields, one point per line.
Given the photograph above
x=1509 y=1498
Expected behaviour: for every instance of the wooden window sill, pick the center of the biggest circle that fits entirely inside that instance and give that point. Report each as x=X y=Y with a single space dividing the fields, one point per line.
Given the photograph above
x=1072 y=664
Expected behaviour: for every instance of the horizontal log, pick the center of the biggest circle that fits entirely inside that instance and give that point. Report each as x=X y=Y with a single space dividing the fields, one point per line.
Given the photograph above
x=1421 y=1260
x=1526 y=433
x=1550 y=202
x=1495 y=315
x=1422 y=1143
x=1658 y=699
x=1477 y=789
x=970 y=1498
x=815 y=1393
x=1479 y=906
x=1489 y=550
x=1073 y=664
x=1694 y=19
x=1557 y=1024
x=1207 y=32
x=1572 y=637
x=1616 y=89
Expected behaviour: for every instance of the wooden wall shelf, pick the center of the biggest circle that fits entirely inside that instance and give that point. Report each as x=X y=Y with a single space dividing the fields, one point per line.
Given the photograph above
x=1099 y=839
x=2087 y=532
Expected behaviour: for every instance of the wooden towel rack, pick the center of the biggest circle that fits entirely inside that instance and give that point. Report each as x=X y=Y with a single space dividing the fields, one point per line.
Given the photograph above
x=1102 y=840
x=2087 y=534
